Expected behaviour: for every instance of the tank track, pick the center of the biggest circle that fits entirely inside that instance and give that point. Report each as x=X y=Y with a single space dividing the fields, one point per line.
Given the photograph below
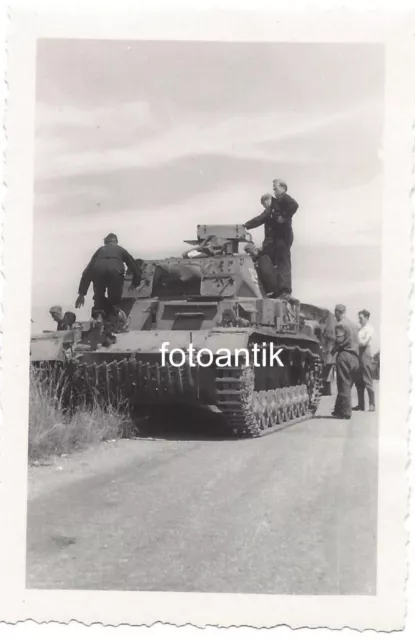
x=247 y=412
x=252 y=413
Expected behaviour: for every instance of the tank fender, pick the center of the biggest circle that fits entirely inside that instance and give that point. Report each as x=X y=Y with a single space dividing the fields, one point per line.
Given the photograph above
x=51 y=347
x=152 y=341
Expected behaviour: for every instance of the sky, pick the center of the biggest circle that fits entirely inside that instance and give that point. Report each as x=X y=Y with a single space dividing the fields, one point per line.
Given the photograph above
x=149 y=139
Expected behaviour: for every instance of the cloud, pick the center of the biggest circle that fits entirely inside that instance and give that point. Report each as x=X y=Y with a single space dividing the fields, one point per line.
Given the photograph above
x=237 y=137
x=50 y=117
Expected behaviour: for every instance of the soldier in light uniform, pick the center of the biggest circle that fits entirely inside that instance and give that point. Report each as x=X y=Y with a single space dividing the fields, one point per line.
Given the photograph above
x=365 y=380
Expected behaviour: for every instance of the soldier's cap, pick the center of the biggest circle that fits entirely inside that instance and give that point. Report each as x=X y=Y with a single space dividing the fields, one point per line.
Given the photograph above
x=55 y=309
x=340 y=307
x=111 y=237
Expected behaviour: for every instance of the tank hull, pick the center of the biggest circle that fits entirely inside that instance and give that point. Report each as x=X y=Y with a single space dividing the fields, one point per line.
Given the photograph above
x=232 y=373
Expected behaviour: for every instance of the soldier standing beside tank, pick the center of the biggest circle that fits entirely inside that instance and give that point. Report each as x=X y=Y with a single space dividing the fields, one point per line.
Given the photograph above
x=347 y=362
x=277 y=218
x=365 y=380
x=106 y=272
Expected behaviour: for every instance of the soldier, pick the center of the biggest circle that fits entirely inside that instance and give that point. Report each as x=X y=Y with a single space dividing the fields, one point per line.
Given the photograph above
x=264 y=268
x=57 y=314
x=106 y=272
x=365 y=380
x=347 y=362
x=340 y=314
x=69 y=319
x=277 y=218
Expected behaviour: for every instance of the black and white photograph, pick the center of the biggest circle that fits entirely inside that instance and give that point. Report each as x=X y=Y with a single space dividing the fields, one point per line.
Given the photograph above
x=209 y=238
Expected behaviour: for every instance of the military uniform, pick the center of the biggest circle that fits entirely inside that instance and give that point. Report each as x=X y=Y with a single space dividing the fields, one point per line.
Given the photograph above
x=278 y=237
x=106 y=272
x=347 y=368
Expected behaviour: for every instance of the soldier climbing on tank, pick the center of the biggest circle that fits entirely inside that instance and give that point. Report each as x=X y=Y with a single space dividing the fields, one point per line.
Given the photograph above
x=277 y=218
x=106 y=272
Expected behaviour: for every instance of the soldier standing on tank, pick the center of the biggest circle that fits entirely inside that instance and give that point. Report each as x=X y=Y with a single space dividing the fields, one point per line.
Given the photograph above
x=277 y=218
x=106 y=272
x=346 y=349
x=265 y=269
x=365 y=380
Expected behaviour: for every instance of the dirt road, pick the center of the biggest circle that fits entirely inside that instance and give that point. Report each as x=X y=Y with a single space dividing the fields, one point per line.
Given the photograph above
x=293 y=512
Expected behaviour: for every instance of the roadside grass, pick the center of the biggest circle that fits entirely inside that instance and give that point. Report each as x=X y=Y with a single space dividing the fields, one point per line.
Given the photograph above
x=52 y=432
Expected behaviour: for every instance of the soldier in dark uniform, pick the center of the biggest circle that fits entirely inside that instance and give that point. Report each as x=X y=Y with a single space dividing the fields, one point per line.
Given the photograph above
x=347 y=362
x=69 y=319
x=265 y=269
x=277 y=218
x=106 y=272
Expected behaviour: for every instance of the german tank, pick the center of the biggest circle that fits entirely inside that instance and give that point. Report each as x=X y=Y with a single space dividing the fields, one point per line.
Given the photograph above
x=177 y=325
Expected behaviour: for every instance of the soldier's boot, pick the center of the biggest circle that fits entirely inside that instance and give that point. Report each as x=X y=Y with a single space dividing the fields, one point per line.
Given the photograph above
x=360 y=399
x=371 y=395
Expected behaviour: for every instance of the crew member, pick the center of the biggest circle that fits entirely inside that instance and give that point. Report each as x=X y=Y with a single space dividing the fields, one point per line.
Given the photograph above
x=340 y=315
x=106 y=272
x=277 y=218
x=365 y=379
x=69 y=319
x=57 y=314
x=265 y=269
x=346 y=349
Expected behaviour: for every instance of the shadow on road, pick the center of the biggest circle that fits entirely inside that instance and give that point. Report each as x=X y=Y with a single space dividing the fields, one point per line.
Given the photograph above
x=178 y=423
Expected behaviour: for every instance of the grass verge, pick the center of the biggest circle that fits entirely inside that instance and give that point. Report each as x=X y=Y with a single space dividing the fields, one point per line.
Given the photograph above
x=52 y=432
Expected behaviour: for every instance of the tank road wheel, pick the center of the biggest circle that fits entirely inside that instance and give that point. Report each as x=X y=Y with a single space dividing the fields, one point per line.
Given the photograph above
x=284 y=405
x=290 y=403
x=272 y=407
x=280 y=405
x=265 y=417
x=303 y=400
x=296 y=402
x=257 y=408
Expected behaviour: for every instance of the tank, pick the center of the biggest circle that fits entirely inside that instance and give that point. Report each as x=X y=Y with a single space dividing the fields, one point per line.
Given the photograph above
x=198 y=330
